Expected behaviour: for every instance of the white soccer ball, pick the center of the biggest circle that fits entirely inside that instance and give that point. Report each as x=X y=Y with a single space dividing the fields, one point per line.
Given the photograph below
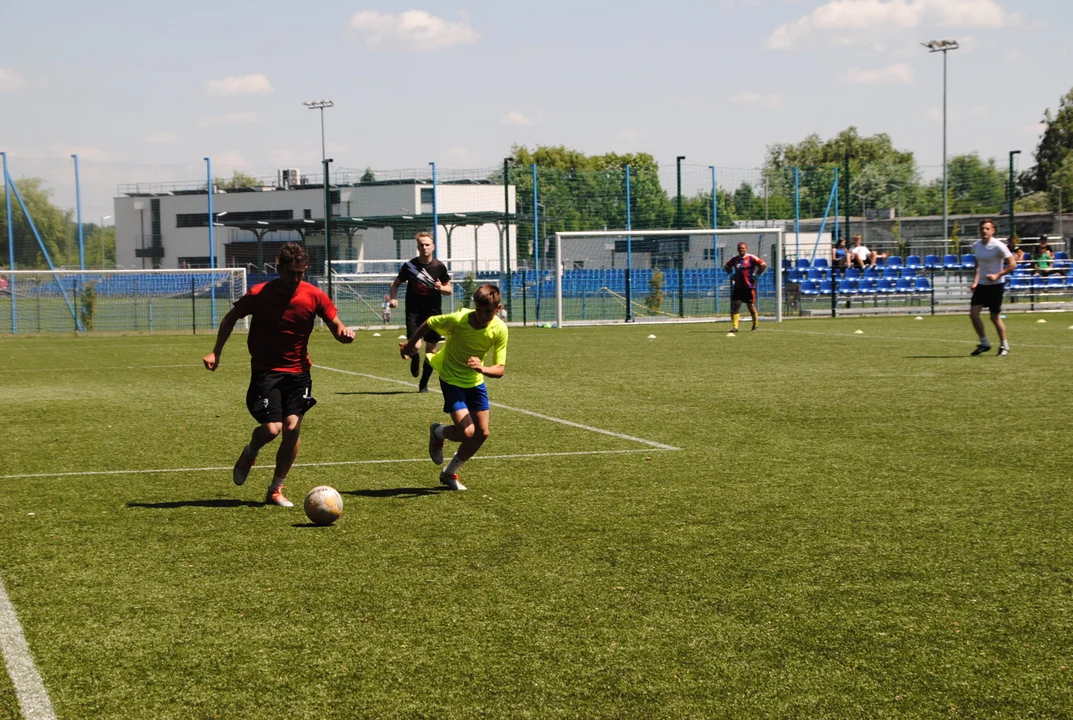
x=323 y=505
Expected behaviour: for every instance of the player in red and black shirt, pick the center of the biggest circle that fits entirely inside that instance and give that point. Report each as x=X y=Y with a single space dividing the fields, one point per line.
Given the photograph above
x=744 y=269
x=427 y=281
x=280 y=390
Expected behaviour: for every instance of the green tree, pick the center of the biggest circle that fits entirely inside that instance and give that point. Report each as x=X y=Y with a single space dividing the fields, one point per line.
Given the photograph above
x=237 y=181
x=975 y=186
x=369 y=176
x=1055 y=146
x=53 y=225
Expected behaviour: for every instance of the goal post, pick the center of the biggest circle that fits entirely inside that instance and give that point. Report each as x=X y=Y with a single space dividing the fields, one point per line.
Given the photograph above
x=653 y=275
x=117 y=301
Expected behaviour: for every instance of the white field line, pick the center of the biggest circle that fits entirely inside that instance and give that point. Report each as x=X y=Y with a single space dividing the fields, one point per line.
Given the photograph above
x=99 y=369
x=33 y=698
x=891 y=338
x=334 y=463
x=650 y=443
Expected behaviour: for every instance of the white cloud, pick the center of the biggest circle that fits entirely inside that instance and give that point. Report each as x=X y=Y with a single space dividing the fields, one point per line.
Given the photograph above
x=459 y=154
x=245 y=85
x=239 y=118
x=10 y=80
x=627 y=135
x=747 y=97
x=517 y=118
x=231 y=159
x=774 y=100
x=414 y=30
x=161 y=138
x=854 y=20
x=900 y=73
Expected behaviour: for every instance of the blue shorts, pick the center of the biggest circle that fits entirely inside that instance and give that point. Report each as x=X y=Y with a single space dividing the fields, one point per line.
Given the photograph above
x=456 y=398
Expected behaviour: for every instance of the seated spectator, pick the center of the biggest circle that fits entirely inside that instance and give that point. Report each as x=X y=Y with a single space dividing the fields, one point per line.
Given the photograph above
x=1044 y=259
x=860 y=256
x=1017 y=251
x=839 y=256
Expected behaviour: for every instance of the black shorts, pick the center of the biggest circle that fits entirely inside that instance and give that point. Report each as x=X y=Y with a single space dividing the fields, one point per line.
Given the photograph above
x=414 y=320
x=989 y=296
x=273 y=395
x=743 y=294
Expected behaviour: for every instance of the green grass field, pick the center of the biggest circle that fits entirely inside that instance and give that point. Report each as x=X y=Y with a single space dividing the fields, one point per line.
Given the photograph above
x=853 y=526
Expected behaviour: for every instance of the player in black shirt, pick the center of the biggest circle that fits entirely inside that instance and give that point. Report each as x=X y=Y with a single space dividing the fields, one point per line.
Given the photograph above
x=427 y=281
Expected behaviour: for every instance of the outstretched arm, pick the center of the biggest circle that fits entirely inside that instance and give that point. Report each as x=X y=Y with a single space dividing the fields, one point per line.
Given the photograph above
x=227 y=324
x=393 y=293
x=408 y=348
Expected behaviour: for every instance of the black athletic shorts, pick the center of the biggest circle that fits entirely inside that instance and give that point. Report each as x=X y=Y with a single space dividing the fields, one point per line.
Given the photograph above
x=273 y=395
x=743 y=294
x=414 y=320
x=990 y=296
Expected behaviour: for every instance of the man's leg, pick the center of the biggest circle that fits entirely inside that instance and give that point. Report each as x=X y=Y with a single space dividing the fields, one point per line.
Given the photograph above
x=735 y=314
x=415 y=361
x=426 y=370
x=753 y=314
x=1000 y=327
x=285 y=457
x=261 y=436
x=978 y=326
x=472 y=436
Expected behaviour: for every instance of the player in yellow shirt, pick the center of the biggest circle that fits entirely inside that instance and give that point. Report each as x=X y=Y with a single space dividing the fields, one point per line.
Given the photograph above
x=473 y=334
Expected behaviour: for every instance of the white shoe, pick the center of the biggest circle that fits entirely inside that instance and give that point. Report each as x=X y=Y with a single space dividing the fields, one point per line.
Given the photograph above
x=452 y=482
x=275 y=497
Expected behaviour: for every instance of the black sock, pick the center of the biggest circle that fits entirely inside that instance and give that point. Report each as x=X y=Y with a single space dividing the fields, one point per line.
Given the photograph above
x=426 y=373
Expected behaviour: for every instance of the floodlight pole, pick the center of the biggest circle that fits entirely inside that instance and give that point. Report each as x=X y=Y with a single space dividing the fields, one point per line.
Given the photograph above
x=943 y=46
x=678 y=212
x=328 y=226
x=320 y=105
x=78 y=210
x=212 y=242
x=10 y=244
x=101 y=230
x=1012 y=228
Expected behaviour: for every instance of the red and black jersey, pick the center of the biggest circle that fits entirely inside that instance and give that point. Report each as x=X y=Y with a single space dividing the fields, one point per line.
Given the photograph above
x=422 y=297
x=282 y=323
x=744 y=269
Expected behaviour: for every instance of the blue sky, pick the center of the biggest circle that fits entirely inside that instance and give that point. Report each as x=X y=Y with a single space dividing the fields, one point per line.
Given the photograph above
x=143 y=91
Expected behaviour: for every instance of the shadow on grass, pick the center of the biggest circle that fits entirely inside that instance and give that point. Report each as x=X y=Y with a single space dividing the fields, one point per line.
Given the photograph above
x=380 y=392
x=395 y=492
x=221 y=503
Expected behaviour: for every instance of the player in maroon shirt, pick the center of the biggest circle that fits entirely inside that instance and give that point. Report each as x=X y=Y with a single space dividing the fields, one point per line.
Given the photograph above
x=744 y=270
x=280 y=389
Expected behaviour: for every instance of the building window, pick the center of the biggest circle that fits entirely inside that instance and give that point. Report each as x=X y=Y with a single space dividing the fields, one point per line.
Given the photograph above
x=308 y=214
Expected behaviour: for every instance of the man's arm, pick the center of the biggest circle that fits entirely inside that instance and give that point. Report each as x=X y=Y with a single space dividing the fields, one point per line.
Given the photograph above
x=493 y=371
x=445 y=288
x=975 y=274
x=393 y=292
x=227 y=324
x=1008 y=268
x=763 y=267
x=340 y=331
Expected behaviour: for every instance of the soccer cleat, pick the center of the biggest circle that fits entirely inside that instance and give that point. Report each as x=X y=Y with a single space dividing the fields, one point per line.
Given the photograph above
x=451 y=481
x=423 y=389
x=1003 y=351
x=435 y=445
x=242 y=468
x=275 y=497
x=415 y=364
x=755 y=328
x=980 y=349
x=733 y=329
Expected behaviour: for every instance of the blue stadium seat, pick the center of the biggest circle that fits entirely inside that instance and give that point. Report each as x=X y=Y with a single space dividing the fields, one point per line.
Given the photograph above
x=922 y=285
x=886 y=286
x=914 y=262
x=933 y=262
x=1020 y=282
x=1056 y=282
x=817 y=274
x=849 y=287
x=825 y=287
x=1061 y=255
x=951 y=262
x=881 y=262
x=821 y=263
x=867 y=286
x=810 y=287
x=909 y=272
x=1038 y=282
x=903 y=285
x=802 y=264
x=853 y=273
x=968 y=261
x=871 y=273
x=891 y=273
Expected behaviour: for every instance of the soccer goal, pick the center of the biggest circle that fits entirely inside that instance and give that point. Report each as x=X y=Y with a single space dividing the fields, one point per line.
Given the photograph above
x=117 y=301
x=362 y=298
x=653 y=275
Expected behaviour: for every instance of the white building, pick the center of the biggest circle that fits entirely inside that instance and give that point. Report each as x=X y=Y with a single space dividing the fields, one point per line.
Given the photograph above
x=166 y=226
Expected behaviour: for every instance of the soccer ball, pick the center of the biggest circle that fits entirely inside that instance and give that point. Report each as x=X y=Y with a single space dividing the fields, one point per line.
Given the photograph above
x=323 y=505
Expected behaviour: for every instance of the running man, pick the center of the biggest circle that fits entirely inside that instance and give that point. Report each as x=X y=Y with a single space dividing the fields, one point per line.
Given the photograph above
x=993 y=261
x=280 y=390
x=744 y=269
x=427 y=281
x=472 y=333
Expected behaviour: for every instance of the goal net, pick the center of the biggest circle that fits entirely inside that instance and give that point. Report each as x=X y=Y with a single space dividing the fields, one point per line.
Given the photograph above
x=648 y=276
x=117 y=301
x=362 y=297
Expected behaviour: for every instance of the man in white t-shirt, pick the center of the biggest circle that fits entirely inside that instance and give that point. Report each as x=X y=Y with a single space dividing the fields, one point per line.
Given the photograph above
x=860 y=256
x=993 y=261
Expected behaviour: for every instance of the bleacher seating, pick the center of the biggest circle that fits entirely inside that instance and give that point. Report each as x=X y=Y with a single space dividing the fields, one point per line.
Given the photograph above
x=951 y=262
x=895 y=262
x=933 y=262
x=968 y=261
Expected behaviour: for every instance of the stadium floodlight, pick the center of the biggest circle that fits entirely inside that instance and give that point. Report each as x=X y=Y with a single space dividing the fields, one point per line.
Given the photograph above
x=320 y=105
x=943 y=46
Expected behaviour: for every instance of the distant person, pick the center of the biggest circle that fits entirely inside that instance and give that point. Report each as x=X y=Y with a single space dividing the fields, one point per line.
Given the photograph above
x=839 y=256
x=1044 y=260
x=1016 y=250
x=744 y=269
x=427 y=281
x=993 y=261
x=472 y=334
x=280 y=391
x=860 y=256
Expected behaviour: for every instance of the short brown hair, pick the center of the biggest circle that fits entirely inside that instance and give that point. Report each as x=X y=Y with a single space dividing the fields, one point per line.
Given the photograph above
x=292 y=254
x=985 y=221
x=425 y=233
x=486 y=295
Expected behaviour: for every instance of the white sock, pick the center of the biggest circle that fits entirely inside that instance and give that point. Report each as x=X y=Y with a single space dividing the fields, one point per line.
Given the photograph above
x=453 y=466
x=1005 y=344
x=277 y=482
x=438 y=431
